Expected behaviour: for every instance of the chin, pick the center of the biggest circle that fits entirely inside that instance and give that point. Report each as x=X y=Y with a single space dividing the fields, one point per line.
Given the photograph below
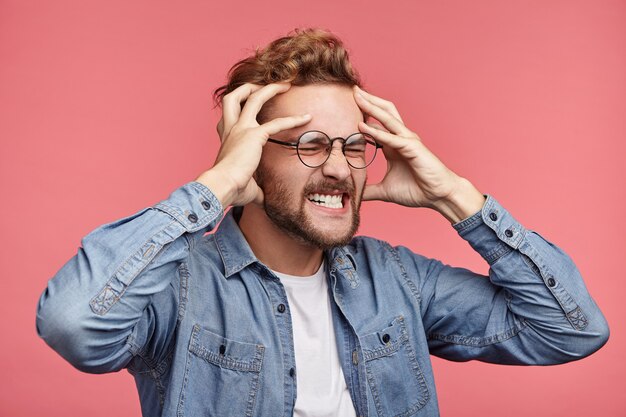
x=326 y=234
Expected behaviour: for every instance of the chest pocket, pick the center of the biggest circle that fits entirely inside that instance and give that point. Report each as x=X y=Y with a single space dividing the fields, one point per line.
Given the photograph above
x=221 y=376
x=394 y=376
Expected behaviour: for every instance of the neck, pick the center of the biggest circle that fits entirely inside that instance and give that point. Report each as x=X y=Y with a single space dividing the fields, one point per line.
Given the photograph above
x=275 y=248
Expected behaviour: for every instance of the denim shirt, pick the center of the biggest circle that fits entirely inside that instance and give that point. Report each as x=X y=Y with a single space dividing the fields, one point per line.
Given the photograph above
x=205 y=328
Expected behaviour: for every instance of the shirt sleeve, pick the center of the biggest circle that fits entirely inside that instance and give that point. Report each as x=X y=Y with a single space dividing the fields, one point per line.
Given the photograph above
x=532 y=309
x=96 y=311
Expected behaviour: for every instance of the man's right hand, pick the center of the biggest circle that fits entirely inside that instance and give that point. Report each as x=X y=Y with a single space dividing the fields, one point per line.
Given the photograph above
x=230 y=178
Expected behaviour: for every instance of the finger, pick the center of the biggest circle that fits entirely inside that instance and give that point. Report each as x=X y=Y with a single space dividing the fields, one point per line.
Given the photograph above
x=376 y=126
x=259 y=198
x=284 y=123
x=220 y=128
x=389 y=140
x=389 y=121
x=257 y=99
x=374 y=192
x=231 y=104
x=382 y=103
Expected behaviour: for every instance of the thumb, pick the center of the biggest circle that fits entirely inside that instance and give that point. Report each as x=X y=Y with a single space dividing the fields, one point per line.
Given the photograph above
x=374 y=192
x=259 y=198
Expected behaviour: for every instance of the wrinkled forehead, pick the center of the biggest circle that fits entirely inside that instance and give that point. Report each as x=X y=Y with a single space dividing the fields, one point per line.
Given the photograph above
x=332 y=107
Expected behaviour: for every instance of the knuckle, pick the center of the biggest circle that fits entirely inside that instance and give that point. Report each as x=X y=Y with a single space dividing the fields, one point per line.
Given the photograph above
x=258 y=132
x=249 y=85
x=236 y=130
x=255 y=98
x=237 y=93
x=229 y=98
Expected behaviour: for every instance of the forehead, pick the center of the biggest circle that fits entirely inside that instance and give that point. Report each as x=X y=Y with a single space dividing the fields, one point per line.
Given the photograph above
x=331 y=106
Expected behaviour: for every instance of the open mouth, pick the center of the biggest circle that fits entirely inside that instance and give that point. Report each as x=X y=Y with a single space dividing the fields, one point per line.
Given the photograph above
x=333 y=201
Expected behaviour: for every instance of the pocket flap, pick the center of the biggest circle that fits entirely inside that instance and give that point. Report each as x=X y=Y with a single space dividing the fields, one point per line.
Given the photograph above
x=226 y=353
x=385 y=341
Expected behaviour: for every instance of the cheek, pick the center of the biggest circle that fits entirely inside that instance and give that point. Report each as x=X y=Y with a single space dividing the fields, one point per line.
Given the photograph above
x=268 y=162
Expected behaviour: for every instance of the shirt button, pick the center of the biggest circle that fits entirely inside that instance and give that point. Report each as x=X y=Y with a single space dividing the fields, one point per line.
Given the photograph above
x=193 y=218
x=493 y=216
x=551 y=282
x=281 y=308
x=386 y=338
x=206 y=205
x=508 y=233
x=292 y=372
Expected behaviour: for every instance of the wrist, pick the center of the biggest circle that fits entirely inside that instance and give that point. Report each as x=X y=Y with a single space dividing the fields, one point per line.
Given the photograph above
x=219 y=184
x=462 y=203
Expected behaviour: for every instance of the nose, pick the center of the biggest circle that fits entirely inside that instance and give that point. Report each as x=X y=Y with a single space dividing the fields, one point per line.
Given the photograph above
x=336 y=166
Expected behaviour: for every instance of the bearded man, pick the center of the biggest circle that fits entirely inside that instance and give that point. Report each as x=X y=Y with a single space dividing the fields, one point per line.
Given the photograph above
x=283 y=311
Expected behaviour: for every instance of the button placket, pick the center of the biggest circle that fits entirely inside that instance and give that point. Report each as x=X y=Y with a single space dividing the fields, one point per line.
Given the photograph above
x=355 y=358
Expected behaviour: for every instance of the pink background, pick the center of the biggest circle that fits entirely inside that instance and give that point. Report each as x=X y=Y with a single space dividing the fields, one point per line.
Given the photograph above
x=105 y=108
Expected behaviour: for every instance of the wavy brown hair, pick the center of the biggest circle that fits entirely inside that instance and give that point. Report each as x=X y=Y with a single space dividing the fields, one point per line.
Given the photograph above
x=304 y=56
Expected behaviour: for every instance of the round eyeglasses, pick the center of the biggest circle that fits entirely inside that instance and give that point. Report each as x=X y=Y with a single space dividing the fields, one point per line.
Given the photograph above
x=313 y=148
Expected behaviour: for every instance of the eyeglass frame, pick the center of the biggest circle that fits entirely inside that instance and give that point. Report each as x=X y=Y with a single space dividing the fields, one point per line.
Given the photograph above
x=296 y=144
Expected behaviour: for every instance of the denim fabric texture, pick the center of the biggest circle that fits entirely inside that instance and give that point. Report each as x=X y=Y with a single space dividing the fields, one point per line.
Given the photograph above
x=205 y=328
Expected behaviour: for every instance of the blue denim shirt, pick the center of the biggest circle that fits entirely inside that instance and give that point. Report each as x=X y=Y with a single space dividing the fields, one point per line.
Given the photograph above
x=205 y=328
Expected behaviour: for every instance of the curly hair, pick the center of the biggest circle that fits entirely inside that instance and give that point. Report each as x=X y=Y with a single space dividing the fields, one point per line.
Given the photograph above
x=304 y=56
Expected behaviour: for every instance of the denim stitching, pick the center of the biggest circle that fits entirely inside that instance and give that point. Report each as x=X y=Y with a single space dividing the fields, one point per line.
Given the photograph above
x=407 y=281
x=577 y=318
x=109 y=296
x=183 y=390
x=254 y=385
x=498 y=252
x=479 y=341
x=202 y=353
x=401 y=342
x=183 y=290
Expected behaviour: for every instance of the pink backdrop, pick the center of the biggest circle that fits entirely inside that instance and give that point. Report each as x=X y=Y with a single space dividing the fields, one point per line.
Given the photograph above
x=105 y=109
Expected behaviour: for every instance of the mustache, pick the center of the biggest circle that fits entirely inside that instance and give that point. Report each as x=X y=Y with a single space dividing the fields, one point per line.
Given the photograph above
x=329 y=187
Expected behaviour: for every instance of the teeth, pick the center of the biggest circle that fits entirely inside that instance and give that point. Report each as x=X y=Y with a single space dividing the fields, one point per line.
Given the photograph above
x=331 y=201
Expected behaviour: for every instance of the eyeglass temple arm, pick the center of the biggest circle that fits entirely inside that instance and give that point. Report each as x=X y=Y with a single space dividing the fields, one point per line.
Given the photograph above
x=280 y=142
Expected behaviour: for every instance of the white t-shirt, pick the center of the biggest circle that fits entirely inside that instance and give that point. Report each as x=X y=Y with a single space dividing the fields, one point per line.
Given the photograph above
x=322 y=390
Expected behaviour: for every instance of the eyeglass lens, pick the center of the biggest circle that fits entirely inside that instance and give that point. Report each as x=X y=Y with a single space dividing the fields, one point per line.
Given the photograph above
x=314 y=149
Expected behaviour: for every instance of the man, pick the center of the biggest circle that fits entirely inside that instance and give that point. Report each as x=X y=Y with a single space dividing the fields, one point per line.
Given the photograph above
x=282 y=311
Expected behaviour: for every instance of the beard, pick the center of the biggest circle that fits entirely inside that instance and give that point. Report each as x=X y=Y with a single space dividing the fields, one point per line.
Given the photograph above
x=296 y=223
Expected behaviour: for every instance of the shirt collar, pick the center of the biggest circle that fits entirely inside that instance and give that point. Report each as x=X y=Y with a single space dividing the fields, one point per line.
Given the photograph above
x=233 y=247
x=236 y=253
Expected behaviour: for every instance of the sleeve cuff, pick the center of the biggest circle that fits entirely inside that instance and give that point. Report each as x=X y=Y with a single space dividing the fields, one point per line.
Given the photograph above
x=193 y=205
x=492 y=231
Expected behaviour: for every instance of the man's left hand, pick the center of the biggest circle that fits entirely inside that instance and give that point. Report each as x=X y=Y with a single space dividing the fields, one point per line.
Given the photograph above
x=415 y=176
